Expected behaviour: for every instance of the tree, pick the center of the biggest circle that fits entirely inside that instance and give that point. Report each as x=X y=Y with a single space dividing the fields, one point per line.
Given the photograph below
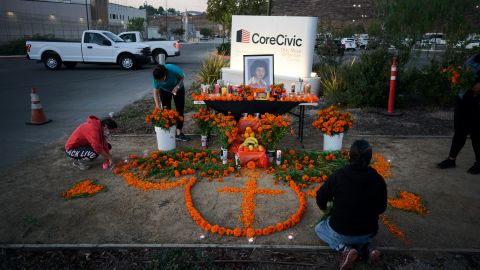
x=221 y=11
x=150 y=9
x=206 y=32
x=171 y=11
x=252 y=7
x=136 y=24
x=161 y=10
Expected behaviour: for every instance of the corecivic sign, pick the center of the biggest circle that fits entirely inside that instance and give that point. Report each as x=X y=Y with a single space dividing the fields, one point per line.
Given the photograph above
x=290 y=39
x=243 y=36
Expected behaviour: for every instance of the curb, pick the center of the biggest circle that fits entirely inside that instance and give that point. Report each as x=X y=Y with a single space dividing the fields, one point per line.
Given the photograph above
x=13 y=56
x=280 y=247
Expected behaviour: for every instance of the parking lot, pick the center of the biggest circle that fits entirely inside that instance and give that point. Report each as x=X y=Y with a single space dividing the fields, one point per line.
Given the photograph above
x=68 y=96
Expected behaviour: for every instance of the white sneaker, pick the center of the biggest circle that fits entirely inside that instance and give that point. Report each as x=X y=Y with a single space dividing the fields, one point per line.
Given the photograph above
x=81 y=164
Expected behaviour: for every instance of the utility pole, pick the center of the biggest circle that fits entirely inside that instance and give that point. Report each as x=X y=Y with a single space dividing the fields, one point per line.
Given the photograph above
x=269 y=11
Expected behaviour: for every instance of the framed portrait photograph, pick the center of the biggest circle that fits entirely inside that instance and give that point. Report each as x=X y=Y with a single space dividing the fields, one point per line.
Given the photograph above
x=258 y=70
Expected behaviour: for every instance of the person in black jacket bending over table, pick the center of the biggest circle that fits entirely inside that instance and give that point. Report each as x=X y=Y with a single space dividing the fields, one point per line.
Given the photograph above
x=359 y=196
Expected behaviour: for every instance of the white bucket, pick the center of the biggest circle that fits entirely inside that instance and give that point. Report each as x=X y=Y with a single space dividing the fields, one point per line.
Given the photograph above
x=332 y=143
x=165 y=139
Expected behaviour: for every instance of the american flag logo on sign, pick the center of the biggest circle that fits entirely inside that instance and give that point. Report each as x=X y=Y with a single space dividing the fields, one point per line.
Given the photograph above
x=243 y=36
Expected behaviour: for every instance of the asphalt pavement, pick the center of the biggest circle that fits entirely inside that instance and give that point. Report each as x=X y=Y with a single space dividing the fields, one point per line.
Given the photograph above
x=69 y=96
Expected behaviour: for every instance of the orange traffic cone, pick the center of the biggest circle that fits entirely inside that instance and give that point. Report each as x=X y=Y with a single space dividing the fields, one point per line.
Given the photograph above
x=38 y=116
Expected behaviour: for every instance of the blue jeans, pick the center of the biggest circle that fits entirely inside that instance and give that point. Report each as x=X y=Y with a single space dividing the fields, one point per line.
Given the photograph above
x=338 y=241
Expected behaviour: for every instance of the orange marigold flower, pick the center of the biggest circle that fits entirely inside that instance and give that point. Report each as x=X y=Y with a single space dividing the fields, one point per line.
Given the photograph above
x=237 y=232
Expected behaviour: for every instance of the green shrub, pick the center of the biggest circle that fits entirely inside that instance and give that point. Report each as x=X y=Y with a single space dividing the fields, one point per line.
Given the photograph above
x=426 y=87
x=367 y=80
x=332 y=84
x=210 y=69
x=224 y=48
x=329 y=52
x=17 y=47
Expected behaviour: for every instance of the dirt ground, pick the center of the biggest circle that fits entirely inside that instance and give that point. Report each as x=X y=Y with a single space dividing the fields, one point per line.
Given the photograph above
x=220 y=258
x=33 y=210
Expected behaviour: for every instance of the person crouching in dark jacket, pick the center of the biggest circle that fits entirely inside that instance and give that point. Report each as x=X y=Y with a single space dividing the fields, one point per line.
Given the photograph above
x=89 y=140
x=359 y=196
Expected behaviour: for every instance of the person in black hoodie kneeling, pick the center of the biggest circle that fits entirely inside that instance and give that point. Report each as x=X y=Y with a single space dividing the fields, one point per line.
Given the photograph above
x=359 y=196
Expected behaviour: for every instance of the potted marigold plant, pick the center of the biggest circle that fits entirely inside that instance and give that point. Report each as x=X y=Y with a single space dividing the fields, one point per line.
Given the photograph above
x=226 y=128
x=332 y=123
x=272 y=130
x=164 y=122
x=205 y=120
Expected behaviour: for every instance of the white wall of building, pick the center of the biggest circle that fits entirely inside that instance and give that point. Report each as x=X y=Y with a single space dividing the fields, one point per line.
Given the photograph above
x=120 y=15
x=63 y=19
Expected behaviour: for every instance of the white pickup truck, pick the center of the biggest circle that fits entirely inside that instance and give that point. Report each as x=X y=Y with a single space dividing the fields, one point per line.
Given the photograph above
x=96 y=47
x=167 y=48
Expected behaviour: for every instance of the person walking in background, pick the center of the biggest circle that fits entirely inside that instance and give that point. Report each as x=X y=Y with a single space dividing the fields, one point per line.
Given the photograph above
x=167 y=84
x=466 y=121
x=359 y=196
x=89 y=140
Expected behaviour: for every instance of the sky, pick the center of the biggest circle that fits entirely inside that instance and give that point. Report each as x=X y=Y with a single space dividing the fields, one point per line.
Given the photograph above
x=192 y=5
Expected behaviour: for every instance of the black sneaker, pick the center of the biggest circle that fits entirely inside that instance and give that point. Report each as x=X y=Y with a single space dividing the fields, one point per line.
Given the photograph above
x=475 y=169
x=447 y=163
x=182 y=137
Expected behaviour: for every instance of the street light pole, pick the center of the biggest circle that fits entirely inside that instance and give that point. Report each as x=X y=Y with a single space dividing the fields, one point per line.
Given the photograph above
x=86 y=10
x=166 y=19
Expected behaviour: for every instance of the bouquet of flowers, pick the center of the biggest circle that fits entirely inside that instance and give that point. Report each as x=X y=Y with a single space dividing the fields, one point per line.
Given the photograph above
x=273 y=128
x=331 y=122
x=205 y=120
x=460 y=80
x=277 y=90
x=164 y=119
x=227 y=129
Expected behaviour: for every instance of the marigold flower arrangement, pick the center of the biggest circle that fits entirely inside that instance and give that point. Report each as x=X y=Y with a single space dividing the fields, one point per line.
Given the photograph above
x=84 y=188
x=248 y=93
x=206 y=120
x=460 y=80
x=409 y=202
x=155 y=170
x=332 y=122
x=164 y=119
x=227 y=129
x=277 y=90
x=273 y=128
